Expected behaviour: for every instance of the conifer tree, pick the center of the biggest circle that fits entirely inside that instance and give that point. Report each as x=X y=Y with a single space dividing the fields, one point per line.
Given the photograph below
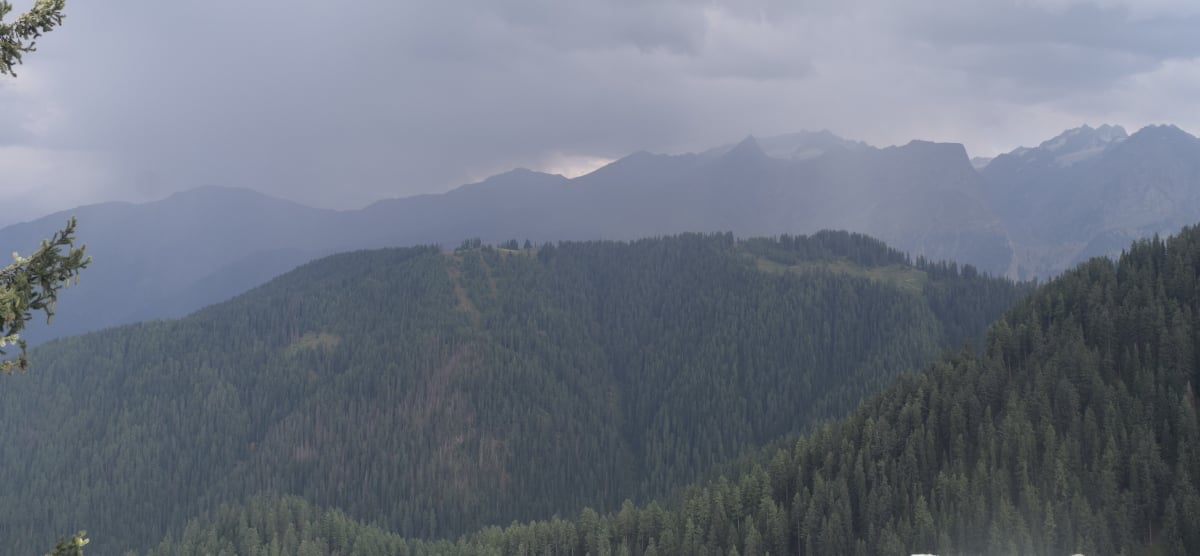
x=20 y=35
x=31 y=284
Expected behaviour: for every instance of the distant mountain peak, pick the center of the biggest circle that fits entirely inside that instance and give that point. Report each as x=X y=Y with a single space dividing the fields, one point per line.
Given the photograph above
x=802 y=145
x=1074 y=145
x=1155 y=141
x=1116 y=132
x=216 y=190
x=520 y=174
x=933 y=148
x=748 y=149
x=224 y=194
x=520 y=171
x=516 y=178
x=1084 y=137
x=1164 y=131
x=747 y=144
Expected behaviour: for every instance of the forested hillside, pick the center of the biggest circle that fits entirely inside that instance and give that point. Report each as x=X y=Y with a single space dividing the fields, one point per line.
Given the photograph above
x=1074 y=431
x=434 y=393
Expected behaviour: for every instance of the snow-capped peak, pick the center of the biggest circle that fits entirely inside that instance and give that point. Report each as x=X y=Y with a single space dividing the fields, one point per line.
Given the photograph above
x=1075 y=145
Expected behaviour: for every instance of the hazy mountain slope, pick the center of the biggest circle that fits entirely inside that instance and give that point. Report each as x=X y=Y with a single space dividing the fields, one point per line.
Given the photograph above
x=1075 y=432
x=924 y=198
x=147 y=257
x=436 y=392
x=236 y=277
x=1029 y=213
x=160 y=259
x=801 y=145
x=1091 y=192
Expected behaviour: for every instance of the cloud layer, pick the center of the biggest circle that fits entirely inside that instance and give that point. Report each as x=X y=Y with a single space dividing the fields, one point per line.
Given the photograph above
x=338 y=104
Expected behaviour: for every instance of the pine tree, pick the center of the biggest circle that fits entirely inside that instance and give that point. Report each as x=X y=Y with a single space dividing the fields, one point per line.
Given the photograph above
x=31 y=284
x=20 y=36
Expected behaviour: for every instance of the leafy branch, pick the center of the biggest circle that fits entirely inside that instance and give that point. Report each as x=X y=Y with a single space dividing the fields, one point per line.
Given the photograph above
x=31 y=284
x=70 y=547
x=20 y=36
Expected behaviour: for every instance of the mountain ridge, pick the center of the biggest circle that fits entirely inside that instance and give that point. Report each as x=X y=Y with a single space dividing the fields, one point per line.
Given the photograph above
x=1062 y=214
x=1073 y=431
x=430 y=388
x=1024 y=216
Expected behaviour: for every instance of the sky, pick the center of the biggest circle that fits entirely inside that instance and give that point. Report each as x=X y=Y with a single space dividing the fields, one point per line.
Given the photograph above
x=338 y=104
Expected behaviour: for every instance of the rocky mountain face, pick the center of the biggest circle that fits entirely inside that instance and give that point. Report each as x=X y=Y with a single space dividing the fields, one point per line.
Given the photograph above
x=1090 y=192
x=922 y=197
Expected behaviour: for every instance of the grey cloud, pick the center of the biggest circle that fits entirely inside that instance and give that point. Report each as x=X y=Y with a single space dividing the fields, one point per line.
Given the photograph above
x=340 y=104
x=756 y=68
x=1032 y=51
x=1035 y=73
x=1082 y=25
x=675 y=26
x=12 y=123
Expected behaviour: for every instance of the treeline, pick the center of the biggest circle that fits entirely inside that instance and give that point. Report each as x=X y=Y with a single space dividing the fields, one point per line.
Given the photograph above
x=1075 y=430
x=435 y=393
x=275 y=526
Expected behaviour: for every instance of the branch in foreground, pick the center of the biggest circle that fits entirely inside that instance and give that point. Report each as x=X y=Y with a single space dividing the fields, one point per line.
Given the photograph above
x=31 y=284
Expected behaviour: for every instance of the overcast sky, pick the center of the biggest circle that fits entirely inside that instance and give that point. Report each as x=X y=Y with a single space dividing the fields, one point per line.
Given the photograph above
x=341 y=103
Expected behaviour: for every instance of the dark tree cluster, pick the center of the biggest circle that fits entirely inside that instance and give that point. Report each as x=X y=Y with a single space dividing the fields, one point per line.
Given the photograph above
x=437 y=392
x=1075 y=430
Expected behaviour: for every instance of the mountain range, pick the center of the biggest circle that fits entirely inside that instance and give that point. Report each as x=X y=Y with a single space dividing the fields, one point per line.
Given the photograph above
x=1091 y=191
x=1030 y=213
x=433 y=391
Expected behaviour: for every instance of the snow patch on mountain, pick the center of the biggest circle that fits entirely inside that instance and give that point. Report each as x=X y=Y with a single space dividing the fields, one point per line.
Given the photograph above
x=1076 y=145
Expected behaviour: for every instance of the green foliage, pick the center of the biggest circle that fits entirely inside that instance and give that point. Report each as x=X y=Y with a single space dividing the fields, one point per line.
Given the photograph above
x=283 y=525
x=20 y=36
x=1075 y=430
x=30 y=284
x=435 y=393
x=72 y=546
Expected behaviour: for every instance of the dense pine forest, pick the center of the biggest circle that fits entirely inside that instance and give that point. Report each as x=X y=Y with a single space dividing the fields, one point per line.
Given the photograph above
x=438 y=392
x=1074 y=430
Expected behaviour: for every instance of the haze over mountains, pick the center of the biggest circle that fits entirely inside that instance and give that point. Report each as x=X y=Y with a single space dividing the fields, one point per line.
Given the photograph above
x=483 y=278
x=430 y=390
x=1029 y=213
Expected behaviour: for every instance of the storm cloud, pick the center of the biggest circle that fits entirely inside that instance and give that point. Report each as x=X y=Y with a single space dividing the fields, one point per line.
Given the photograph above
x=340 y=104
